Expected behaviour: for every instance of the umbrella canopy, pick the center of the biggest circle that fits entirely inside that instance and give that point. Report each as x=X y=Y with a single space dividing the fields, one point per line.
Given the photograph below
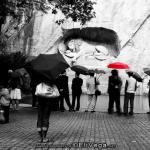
x=118 y=65
x=100 y=71
x=135 y=75
x=80 y=69
x=48 y=66
x=146 y=71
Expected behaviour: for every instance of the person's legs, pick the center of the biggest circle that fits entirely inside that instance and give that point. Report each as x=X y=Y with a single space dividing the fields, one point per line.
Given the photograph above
x=93 y=103
x=126 y=102
x=34 y=97
x=149 y=101
x=117 y=100
x=78 y=102
x=46 y=115
x=131 y=103
x=111 y=103
x=6 y=113
x=57 y=103
x=67 y=99
x=40 y=117
x=62 y=108
x=13 y=104
x=149 y=98
x=88 y=102
x=73 y=99
x=17 y=104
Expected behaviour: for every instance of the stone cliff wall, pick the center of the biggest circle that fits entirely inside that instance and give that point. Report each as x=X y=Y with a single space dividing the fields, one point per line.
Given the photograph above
x=129 y=18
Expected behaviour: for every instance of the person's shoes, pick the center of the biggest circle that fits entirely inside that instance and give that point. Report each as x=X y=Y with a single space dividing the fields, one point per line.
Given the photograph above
x=92 y=111
x=6 y=121
x=35 y=107
x=71 y=109
x=125 y=114
x=148 y=112
x=40 y=140
x=110 y=112
x=131 y=113
x=86 y=110
x=119 y=113
x=45 y=140
x=44 y=133
x=41 y=137
x=77 y=109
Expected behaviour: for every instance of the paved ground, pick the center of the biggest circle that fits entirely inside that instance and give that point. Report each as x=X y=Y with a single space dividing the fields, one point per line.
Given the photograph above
x=76 y=129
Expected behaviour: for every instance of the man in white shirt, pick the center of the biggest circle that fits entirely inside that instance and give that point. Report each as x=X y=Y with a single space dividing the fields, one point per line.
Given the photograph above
x=91 y=87
x=130 y=89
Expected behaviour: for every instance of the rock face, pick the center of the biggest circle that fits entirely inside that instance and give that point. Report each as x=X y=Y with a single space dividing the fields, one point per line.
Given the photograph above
x=130 y=19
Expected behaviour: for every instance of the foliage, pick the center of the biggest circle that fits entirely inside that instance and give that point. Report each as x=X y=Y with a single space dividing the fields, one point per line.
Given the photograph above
x=78 y=10
x=12 y=61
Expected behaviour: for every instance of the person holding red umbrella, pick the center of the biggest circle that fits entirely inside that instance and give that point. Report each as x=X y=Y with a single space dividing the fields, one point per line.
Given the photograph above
x=114 y=88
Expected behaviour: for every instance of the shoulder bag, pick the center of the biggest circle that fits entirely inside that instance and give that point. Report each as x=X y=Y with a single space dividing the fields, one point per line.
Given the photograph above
x=47 y=91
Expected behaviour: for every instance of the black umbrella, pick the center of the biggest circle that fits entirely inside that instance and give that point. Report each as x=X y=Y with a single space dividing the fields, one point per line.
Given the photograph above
x=80 y=69
x=135 y=75
x=147 y=71
x=47 y=66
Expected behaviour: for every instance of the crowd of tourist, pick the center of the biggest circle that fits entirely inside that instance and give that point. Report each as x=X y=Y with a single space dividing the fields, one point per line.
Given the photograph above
x=42 y=93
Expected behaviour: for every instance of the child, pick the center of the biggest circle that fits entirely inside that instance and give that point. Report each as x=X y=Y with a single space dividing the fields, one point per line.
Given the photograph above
x=5 y=102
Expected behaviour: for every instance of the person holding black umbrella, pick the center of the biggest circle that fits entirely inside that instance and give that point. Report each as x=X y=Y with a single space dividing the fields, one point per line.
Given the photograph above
x=46 y=91
x=76 y=91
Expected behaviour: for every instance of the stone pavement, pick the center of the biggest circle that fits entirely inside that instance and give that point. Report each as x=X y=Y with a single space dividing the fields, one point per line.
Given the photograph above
x=73 y=130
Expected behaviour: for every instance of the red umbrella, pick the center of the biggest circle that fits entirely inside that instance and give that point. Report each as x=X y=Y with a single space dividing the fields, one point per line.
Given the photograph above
x=118 y=65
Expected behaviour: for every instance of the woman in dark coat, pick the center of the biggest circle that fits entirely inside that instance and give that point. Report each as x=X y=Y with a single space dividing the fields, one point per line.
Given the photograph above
x=114 y=88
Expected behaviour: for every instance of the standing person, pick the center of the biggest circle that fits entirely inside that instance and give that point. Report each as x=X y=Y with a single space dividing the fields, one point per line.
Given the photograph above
x=44 y=109
x=5 y=102
x=114 y=88
x=15 y=92
x=76 y=91
x=130 y=89
x=62 y=84
x=148 y=85
x=91 y=88
x=33 y=85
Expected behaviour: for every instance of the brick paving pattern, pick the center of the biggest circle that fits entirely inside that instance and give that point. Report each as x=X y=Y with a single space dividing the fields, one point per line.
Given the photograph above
x=66 y=128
